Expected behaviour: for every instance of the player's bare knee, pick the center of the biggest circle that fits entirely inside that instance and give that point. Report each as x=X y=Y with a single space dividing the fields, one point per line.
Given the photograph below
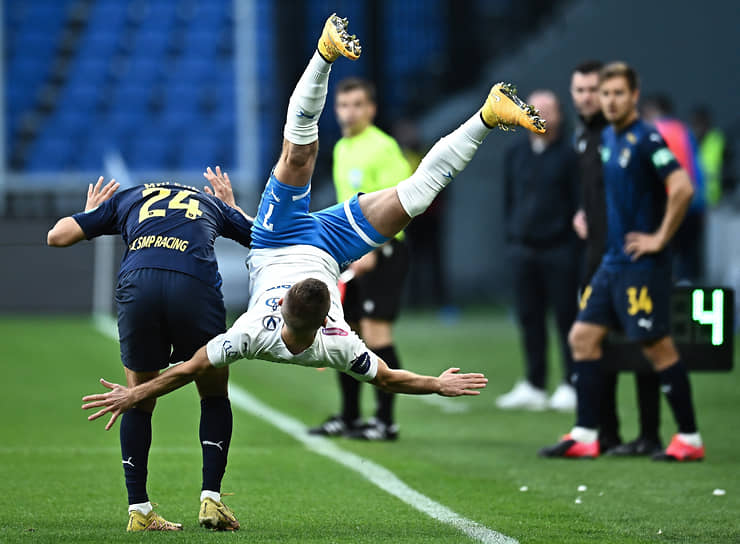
x=584 y=343
x=300 y=156
x=214 y=382
x=661 y=353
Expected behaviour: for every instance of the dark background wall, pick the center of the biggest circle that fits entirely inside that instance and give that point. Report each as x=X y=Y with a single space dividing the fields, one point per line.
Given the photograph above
x=686 y=49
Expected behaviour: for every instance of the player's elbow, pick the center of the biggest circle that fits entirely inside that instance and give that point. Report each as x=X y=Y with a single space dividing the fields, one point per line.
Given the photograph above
x=55 y=239
x=384 y=381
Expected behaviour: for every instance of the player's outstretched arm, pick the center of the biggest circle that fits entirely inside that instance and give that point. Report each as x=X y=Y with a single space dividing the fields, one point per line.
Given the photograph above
x=67 y=231
x=120 y=399
x=222 y=188
x=447 y=384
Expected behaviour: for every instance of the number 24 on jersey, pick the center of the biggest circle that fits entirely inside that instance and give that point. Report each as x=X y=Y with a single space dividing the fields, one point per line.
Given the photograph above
x=191 y=206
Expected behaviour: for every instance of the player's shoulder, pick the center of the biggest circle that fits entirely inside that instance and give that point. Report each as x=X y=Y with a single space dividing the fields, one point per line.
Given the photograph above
x=380 y=139
x=648 y=133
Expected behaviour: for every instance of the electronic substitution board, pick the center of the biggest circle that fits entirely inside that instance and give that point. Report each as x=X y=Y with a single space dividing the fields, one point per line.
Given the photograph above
x=702 y=325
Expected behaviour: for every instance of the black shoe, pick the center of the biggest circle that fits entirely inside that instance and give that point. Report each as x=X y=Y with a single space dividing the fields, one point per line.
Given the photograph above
x=375 y=430
x=334 y=426
x=608 y=442
x=640 y=446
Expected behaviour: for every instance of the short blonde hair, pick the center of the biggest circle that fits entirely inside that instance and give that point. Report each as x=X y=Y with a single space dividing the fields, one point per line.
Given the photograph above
x=620 y=69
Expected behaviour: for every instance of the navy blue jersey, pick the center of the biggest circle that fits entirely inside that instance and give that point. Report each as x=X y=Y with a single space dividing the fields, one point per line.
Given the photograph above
x=636 y=162
x=167 y=226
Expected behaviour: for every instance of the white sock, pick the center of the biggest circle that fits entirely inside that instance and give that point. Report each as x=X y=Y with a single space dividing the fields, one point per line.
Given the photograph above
x=143 y=507
x=205 y=494
x=692 y=439
x=307 y=102
x=582 y=434
x=445 y=160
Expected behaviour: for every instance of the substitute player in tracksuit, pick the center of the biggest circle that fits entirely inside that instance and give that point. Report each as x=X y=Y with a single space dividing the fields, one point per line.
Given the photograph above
x=367 y=159
x=169 y=304
x=632 y=287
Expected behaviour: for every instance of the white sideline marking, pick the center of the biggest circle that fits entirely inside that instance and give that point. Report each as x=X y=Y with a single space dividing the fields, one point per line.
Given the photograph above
x=374 y=473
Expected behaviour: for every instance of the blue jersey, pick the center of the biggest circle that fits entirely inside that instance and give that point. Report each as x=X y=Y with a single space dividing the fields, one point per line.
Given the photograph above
x=167 y=226
x=636 y=162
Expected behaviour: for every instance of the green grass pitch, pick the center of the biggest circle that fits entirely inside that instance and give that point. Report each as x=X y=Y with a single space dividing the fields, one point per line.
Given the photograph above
x=61 y=476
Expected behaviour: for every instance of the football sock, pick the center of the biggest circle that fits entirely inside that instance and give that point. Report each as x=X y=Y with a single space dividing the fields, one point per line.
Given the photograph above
x=136 y=439
x=582 y=434
x=609 y=420
x=215 y=438
x=307 y=102
x=447 y=158
x=692 y=439
x=675 y=384
x=385 y=401
x=350 y=397
x=587 y=379
x=648 y=402
x=143 y=507
x=214 y=495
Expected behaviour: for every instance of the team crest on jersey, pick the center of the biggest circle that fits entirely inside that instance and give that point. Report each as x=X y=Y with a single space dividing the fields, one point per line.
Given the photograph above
x=273 y=302
x=334 y=331
x=624 y=157
x=270 y=322
x=362 y=364
x=631 y=138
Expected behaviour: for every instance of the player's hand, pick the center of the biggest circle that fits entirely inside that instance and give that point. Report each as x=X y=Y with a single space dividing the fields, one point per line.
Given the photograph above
x=580 y=225
x=96 y=196
x=116 y=401
x=221 y=186
x=453 y=384
x=637 y=244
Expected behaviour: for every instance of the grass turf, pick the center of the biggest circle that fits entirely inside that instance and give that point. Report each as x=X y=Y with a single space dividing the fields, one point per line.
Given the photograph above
x=61 y=476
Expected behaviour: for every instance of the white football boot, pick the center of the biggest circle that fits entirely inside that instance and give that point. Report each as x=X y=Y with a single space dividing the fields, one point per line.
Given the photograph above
x=524 y=396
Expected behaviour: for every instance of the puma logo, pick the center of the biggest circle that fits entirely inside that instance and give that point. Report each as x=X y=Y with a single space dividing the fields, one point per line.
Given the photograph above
x=128 y=462
x=217 y=444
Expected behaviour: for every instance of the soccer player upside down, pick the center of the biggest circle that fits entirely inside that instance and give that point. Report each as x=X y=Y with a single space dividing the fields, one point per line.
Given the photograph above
x=295 y=315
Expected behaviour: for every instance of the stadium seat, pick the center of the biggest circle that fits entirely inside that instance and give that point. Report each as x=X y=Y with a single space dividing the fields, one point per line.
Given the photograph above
x=150 y=152
x=204 y=148
x=50 y=153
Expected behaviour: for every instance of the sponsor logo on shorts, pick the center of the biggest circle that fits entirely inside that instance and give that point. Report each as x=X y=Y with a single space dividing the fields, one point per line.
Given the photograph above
x=362 y=364
x=270 y=322
x=646 y=324
x=334 y=331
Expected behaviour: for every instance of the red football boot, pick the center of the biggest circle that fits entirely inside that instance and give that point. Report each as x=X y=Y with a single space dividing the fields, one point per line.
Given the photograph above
x=567 y=447
x=678 y=450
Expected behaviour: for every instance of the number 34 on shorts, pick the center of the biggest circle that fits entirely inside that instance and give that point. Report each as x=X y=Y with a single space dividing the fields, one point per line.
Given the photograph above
x=639 y=300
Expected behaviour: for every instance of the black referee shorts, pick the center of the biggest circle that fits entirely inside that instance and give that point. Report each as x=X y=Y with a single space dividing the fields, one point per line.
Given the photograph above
x=377 y=294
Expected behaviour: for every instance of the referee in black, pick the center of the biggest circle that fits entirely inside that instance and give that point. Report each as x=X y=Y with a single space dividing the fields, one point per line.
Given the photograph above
x=589 y=223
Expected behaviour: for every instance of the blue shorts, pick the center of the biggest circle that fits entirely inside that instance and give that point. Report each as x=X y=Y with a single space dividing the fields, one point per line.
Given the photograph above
x=634 y=299
x=165 y=316
x=283 y=220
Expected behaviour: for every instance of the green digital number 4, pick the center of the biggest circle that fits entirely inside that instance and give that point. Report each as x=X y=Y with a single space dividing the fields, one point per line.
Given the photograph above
x=714 y=316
